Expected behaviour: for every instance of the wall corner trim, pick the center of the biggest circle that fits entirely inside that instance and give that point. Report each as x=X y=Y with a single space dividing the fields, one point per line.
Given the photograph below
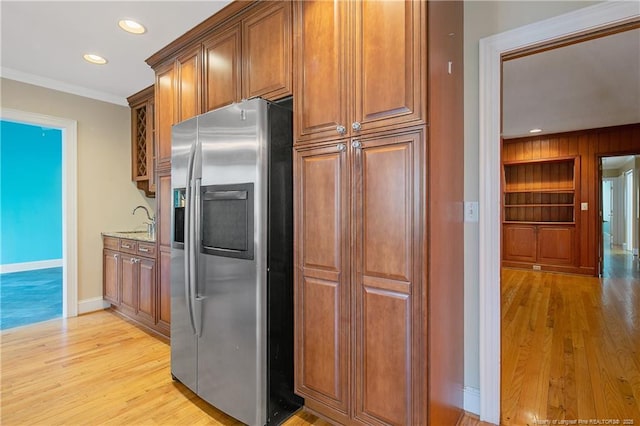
x=471 y=400
x=91 y=305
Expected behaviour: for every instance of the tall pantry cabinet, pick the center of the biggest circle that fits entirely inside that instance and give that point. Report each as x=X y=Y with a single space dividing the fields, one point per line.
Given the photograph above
x=378 y=116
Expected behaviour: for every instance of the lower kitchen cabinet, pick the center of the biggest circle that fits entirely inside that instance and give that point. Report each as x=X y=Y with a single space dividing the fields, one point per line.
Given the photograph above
x=548 y=246
x=359 y=284
x=110 y=276
x=130 y=284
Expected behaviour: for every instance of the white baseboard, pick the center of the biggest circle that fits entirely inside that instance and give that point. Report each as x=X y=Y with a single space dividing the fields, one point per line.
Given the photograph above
x=30 y=266
x=471 y=400
x=91 y=305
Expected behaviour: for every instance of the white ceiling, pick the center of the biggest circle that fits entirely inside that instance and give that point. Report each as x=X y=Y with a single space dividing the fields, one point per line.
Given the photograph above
x=592 y=84
x=612 y=163
x=43 y=42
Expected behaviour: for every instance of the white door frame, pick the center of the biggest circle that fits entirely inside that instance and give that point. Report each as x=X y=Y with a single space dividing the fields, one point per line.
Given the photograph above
x=491 y=48
x=69 y=199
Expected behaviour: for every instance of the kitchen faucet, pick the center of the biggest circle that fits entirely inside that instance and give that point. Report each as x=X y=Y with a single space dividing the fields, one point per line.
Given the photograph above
x=151 y=225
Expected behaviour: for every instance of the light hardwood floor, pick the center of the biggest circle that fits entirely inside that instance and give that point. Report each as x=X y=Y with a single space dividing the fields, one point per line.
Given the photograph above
x=99 y=369
x=570 y=349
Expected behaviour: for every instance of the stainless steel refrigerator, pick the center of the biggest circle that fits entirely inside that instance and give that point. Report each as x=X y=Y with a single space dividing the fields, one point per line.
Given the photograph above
x=232 y=260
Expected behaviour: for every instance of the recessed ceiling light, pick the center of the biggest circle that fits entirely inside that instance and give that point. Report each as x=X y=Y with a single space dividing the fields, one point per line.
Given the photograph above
x=131 y=26
x=94 y=59
x=535 y=130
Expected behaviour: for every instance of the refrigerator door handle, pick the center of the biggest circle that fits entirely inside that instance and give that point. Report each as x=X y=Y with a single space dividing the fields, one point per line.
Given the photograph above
x=197 y=235
x=188 y=224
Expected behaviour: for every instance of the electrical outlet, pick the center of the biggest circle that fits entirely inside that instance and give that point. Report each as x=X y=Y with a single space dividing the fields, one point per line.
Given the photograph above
x=537 y=268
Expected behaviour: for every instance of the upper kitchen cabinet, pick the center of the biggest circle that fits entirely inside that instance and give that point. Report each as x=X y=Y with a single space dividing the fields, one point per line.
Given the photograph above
x=267 y=51
x=222 y=64
x=164 y=113
x=189 y=84
x=142 y=140
x=243 y=51
x=177 y=97
x=249 y=57
x=361 y=67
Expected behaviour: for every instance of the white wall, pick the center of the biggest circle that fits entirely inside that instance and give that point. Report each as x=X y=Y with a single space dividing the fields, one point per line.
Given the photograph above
x=106 y=194
x=482 y=19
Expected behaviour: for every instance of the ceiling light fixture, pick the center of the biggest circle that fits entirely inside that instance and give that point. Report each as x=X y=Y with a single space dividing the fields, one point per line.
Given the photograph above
x=94 y=59
x=131 y=26
x=535 y=130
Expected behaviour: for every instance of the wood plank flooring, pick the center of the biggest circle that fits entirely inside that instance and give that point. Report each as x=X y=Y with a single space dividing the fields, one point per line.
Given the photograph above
x=570 y=349
x=100 y=369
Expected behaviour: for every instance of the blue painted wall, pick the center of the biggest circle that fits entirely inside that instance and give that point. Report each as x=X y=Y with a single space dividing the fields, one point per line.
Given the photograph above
x=30 y=193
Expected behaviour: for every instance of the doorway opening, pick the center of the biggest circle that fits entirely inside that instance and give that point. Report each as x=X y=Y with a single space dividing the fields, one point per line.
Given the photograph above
x=68 y=129
x=619 y=186
x=551 y=324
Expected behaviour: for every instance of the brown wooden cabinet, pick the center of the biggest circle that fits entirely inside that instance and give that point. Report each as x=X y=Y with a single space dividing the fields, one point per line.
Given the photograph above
x=222 y=65
x=110 y=276
x=188 y=74
x=165 y=98
x=358 y=273
x=143 y=140
x=129 y=273
x=539 y=213
x=163 y=320
x=322 y=275
x=250 y=56
x=177 y=97
x=267 y=51
x=361 y=66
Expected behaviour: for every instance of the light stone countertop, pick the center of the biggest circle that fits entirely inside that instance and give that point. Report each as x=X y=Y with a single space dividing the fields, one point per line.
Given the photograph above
x=132 y=235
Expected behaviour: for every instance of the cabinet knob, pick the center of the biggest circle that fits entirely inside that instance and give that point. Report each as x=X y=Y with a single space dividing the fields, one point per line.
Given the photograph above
x=342 y=147
x=356 y=126
x=341 y=130
x=115 y=256
x=356 y=144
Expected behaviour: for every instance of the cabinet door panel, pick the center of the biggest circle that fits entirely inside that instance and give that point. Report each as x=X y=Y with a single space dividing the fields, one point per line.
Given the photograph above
x=222 y=65
x=129 y=282
x=321 y=91
x=188 y=68
x=384 y=371
x=146 y=289
x=387 y=281
x=110 y=277
x=321 y=292
x=519 y=243
x=164 y=113
x=164 y=209
x=390 y=58
x=266 y=52
x=555 y=245
x=164 y=290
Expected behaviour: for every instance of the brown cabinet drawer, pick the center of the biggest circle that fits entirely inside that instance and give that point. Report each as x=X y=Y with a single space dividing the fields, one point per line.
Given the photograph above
x=111 y=243
x=147 y=249
x=128 y=246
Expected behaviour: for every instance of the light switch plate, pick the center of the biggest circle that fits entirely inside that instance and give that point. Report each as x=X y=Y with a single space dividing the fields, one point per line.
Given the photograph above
x=584 y=206
x=470 y=211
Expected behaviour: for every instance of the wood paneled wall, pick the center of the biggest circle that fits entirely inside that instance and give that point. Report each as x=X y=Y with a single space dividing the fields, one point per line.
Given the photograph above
x=589 y=145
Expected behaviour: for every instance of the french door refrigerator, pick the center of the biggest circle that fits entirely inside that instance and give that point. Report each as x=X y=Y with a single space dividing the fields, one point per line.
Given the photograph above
x=232 y=260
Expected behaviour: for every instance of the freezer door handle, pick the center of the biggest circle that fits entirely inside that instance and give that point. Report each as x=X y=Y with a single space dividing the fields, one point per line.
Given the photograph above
x=197 y=243
x=188 y=224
